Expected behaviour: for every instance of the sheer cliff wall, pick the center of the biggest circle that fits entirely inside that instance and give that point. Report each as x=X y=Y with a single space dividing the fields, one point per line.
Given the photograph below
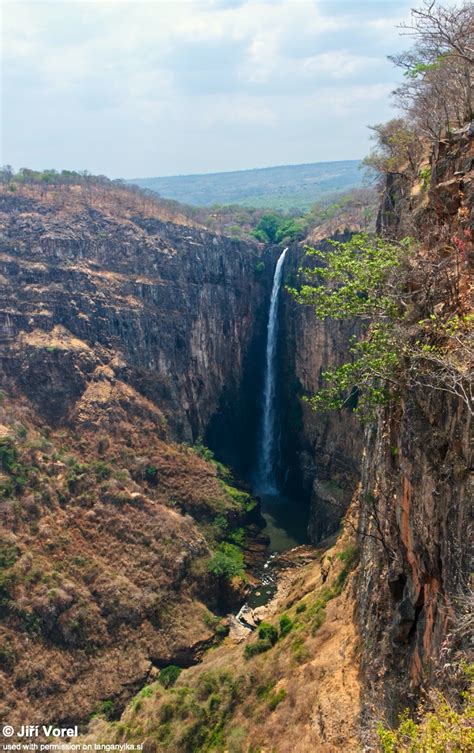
x=416 y=491
x=321 y=451
x=172 y=310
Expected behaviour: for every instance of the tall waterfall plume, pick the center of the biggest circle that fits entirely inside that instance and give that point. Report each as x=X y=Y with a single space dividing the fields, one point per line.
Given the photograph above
x=266 y=461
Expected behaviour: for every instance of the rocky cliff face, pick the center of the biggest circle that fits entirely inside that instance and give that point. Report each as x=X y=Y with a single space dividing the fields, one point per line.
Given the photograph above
x=322 y=451
x=416 y=483
x=121 y=334
x=169 y=309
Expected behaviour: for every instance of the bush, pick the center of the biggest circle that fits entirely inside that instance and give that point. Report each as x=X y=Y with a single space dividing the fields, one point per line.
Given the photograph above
x=9 y=553
x=102 y=470
x=443 y=728
x=169 y=675
x=204 y=452
x=8 y=454
x=7 y=658
x=349 y=556
x=151 y=474
x=268 y=632
x=107 y=708
x=227 y=562
x=286 y=625
x=257 y=648
x=276 y=699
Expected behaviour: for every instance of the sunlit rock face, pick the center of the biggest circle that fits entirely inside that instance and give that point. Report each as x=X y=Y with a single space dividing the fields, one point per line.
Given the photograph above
x=169 y=309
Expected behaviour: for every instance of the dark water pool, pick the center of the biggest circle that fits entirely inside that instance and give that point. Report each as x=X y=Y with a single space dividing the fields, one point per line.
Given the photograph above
x=286 y=522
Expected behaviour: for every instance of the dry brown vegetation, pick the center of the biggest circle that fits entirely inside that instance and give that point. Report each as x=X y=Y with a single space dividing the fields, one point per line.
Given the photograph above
x=116 y=200
x=302 y=694
x=103 y=568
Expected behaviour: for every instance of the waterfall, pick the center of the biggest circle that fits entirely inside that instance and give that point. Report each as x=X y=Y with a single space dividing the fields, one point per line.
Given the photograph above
x=266 y=477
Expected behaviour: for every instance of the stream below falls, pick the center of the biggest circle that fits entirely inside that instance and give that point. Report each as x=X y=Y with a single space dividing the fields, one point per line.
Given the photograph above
x=286 y=528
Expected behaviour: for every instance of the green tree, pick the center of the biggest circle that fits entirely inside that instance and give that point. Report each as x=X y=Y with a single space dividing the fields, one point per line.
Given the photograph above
x=227 y=562
x=354 y=280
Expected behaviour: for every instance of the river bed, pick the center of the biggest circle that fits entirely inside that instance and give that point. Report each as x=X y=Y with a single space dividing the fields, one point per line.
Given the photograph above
x=286 y=530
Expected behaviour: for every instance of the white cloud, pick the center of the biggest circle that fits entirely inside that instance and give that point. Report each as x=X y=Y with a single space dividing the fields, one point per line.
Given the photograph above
x=193 y=82
x=338 y=64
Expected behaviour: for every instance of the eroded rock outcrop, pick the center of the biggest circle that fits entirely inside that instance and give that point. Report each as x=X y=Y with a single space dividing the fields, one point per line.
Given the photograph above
x=170 y=309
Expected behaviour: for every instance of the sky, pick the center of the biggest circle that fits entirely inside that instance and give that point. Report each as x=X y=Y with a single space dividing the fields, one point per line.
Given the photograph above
x=140 y=89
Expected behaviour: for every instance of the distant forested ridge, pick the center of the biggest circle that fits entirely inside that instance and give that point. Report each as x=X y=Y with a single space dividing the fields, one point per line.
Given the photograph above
x=286 y=187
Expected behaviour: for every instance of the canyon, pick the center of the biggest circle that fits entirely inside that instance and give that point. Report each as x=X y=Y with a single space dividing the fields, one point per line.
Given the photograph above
x=133 y=362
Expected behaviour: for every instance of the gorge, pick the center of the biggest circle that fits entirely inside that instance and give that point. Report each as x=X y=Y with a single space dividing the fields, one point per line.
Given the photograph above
x=141 y=355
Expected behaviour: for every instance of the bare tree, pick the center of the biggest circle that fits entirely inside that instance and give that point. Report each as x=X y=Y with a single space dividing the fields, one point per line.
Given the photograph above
x=440 y=30
x=438 y=92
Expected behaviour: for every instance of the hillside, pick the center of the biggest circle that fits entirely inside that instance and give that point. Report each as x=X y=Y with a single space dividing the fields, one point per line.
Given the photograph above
x=108 y=514
x=285 y=187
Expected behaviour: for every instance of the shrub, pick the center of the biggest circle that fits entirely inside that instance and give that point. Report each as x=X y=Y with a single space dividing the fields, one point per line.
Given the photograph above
x=441 y=729
x=9 y=553
x=257 y=648
x=166 y=712
x=349 y=557
x=151 y=474
x=276 y=699
x=102 y=470
x=107 y=708
x=318 y=620
x=7 y=658
x=425 y=177
x=8 y=454
x=169 y=675
x=204 y=452
x=301 y=608
x=263 y=691
x=227 y=562
x=268 y=632
x=286 y=625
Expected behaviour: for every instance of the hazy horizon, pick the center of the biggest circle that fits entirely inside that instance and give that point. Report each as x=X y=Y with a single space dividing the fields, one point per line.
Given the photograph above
x=245 y=169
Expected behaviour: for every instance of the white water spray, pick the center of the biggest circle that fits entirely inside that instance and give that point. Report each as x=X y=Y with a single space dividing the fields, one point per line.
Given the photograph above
x=266 y=480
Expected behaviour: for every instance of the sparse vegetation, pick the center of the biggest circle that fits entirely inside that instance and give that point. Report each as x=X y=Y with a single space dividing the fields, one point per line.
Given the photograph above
x=439 y=725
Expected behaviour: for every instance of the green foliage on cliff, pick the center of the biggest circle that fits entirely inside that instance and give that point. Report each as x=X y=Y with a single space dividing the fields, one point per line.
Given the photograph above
x=370 y=281
x=439 y=727
x=353 y=281
x=227 y=562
